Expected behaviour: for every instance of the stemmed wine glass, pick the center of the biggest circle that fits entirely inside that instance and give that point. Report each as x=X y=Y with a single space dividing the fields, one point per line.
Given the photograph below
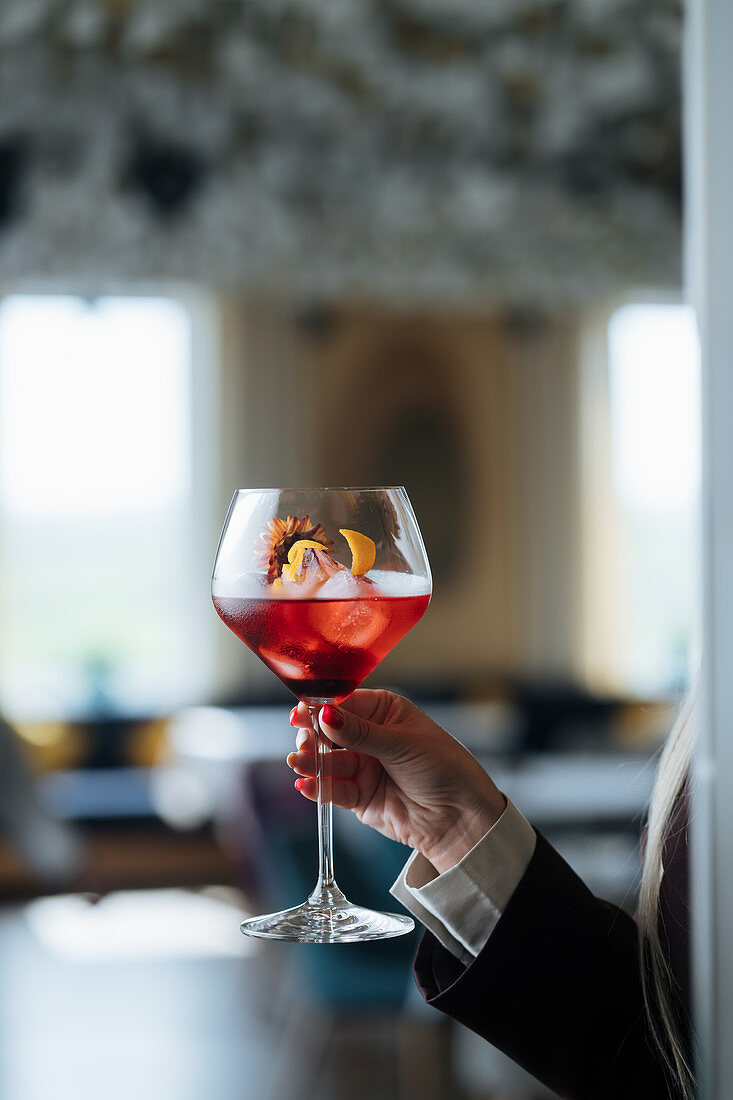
x=321 y=584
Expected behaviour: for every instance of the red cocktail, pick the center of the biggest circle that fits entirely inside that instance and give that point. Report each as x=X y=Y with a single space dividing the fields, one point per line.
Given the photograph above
x=320 y=648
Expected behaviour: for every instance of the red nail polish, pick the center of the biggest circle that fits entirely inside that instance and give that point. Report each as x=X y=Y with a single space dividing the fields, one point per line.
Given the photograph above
x=298 y=784
x=332 y=717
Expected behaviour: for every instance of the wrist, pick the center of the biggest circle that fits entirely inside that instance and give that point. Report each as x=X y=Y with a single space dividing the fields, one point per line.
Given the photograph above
x=469 y=828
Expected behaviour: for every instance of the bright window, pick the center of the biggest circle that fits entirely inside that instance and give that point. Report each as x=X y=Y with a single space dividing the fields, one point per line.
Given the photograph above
x=95 y=504
x=655 y=458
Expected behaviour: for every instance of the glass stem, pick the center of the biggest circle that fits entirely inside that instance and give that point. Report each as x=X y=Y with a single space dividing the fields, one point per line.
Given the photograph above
x=326 y=890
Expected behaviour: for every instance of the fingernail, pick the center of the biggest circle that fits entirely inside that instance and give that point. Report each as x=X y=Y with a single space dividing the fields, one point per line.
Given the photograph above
x=298 y=784
x=290 y=759
x=293 y=712
x=332 y=717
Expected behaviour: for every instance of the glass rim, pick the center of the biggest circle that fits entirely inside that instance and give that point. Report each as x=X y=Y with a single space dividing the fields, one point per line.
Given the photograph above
x=324 y=489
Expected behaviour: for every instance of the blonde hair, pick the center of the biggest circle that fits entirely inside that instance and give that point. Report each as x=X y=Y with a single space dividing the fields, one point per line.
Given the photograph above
x=660 y=991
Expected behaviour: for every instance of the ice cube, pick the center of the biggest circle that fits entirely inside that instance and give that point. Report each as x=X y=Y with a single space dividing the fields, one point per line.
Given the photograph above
x=341 y=586
x=349 y=623
x=242 y=586
x=308 y=571
x=283 y=664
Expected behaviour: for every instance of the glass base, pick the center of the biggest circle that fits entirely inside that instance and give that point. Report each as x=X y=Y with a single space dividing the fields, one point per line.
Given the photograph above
x=334 y=920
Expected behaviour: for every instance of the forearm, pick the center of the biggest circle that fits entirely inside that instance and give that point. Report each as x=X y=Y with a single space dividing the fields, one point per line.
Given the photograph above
x=557 y=987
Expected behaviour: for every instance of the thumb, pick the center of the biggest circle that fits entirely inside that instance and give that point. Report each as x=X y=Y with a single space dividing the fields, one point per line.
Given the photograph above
x=351 y=731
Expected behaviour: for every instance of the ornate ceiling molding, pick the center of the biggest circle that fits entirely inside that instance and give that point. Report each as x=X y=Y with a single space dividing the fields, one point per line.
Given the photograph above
x=399 y=150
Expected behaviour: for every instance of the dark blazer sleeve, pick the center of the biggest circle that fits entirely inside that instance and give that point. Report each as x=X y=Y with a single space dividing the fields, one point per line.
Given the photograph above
x=557 y=987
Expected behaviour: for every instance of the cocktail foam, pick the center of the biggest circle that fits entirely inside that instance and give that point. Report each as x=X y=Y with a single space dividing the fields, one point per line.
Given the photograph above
x=391 y=583
x=342 y=586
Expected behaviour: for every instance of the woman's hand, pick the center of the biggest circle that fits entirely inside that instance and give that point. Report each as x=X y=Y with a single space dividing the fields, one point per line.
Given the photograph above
x=401 y=773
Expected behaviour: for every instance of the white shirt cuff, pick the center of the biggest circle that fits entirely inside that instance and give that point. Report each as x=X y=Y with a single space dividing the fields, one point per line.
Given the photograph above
x=462 y=906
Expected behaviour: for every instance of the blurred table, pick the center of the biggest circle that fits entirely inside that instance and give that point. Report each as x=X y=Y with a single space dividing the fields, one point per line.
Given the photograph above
x=554 y=790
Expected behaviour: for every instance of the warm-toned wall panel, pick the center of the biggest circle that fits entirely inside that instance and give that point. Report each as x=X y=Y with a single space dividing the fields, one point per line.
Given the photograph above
x=478 y=421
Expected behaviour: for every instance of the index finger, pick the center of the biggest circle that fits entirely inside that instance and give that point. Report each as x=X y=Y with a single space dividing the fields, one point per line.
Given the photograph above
x=373 y=705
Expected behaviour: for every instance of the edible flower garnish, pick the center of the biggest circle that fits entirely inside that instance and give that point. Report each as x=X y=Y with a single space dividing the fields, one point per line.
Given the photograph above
x=280 y=535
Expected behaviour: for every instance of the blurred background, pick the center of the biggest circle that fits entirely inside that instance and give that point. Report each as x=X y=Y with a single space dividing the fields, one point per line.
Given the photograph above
x=292 y=242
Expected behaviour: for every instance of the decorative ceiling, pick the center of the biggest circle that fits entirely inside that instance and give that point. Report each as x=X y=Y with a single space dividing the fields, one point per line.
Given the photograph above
x=405 y=151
